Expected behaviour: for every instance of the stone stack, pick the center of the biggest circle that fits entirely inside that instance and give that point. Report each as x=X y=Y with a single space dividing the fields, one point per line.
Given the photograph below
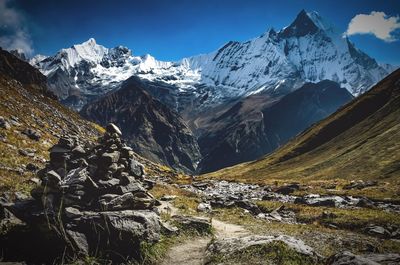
x=95 y=198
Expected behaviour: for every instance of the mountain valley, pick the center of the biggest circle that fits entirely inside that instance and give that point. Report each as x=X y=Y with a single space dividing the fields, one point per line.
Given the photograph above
x=207 y=90
x=282 y=150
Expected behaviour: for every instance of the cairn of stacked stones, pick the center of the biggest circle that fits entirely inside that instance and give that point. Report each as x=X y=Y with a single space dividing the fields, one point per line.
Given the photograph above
x=95 y=198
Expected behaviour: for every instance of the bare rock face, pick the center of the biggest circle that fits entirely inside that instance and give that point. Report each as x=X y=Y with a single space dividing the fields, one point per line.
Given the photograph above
x=91 y=201
x=152 y=129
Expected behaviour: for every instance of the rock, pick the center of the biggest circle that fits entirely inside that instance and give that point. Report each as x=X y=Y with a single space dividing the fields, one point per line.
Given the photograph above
x=136 y=169
x=200 y=185
x=148 y=183
x=4 y=124
x=348 y=258
x=365 y=203
x=109 y=184
x=204 y=207
x=169 y=229
x=27 y=152
x=75 y=176
x=360 y=184
x=31 y=167
x=78 y=151
x=78 y=242
x=198 y=224
x=135 y=224
x=32 y=134
x=376 y=230
x=288 y=189
x=66 y=142
x=143 y=200
x=108 y=158
x=230 y=247
x=167 y=198
x=72 y=213
x=122 y=202
x=248 y=205
x=131 y=187
x=385 y=258
x=328 y=215
x=52 y=178
x=111 y=128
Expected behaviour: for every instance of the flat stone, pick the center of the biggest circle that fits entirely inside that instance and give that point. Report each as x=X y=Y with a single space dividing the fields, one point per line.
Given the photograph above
x=32 y=134
x=108 y=158
x=131 y=187
x=112 y=128
x=135 y=168
x=346 y=258
x=75 y=176
x=52 y=178
x=201 y=225
x=204 y=207
x=79 y=242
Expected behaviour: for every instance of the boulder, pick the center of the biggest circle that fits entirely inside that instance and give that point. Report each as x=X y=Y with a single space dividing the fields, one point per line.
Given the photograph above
x=229 y=247
x=107 y=159
x=111 y=128
x=32 y=134
x=198 y=224
x=136 y=169
x=4 y=124
x=204 y=207
x=288 y=189
x=348 y=258
x=131 y=187
x=379 y=231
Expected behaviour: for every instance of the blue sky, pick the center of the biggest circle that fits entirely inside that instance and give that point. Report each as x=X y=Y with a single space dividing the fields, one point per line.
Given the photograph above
x=170 y=30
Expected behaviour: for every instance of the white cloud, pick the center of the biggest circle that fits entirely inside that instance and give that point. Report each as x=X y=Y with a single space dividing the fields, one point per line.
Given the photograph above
x=13 y=32
x=376 y=23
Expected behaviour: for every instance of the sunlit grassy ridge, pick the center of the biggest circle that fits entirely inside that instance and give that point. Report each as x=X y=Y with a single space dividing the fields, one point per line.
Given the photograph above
x=359 y=141
x=34 y=111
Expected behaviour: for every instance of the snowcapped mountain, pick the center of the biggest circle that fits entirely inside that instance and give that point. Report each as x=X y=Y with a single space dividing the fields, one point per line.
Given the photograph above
x=308 y=50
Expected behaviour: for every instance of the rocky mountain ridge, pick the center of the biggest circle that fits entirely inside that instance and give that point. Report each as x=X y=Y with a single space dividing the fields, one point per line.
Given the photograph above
x=152 y=129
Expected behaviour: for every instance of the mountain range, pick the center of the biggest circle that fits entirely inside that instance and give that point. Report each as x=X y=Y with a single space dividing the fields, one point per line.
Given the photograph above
x=230 y=98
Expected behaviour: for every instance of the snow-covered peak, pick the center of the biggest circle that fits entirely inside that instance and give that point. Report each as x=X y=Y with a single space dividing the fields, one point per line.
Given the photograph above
x=319 y=21
x=306 y=23
x=88 y=50
x=37 y=58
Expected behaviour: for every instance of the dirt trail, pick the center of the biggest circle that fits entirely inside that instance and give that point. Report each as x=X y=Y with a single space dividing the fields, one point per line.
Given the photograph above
x=225 y=230
x=192 y=251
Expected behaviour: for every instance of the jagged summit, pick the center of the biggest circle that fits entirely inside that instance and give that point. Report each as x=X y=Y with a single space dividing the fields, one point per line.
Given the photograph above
x=301 y=26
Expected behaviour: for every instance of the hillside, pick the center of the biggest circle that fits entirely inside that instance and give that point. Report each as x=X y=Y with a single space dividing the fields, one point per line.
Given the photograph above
x=359 y=141
x=152 y=129
x=31 y=121
x=251 y=129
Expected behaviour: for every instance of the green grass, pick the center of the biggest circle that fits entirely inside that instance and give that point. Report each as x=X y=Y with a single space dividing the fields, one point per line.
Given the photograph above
x=344 y=218
x=272 y=253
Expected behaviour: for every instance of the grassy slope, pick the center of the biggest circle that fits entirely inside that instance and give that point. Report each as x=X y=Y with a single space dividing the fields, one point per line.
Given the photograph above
x=42 y=114
x=359 y=141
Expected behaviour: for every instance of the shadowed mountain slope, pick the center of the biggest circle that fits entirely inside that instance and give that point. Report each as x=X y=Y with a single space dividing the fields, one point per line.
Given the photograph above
x=152 y=129
x=258 y=125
